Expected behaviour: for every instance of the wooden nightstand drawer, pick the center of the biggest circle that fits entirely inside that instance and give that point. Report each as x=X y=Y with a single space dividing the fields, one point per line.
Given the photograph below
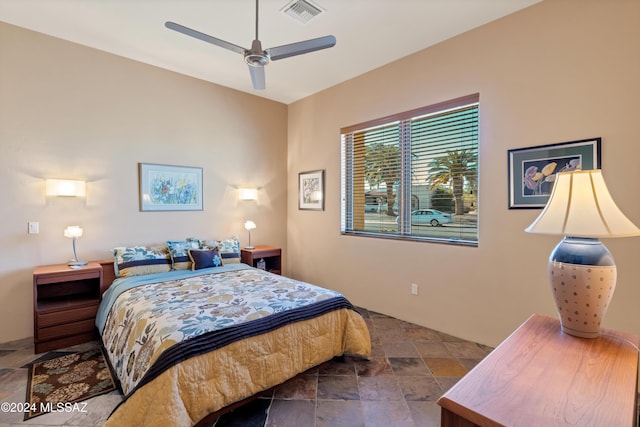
x=65 y=303
x=67 y=316
x=67 y=329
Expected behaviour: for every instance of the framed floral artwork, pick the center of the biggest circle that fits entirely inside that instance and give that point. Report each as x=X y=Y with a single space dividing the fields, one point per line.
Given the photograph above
x=170 y=188
x=311 y=190
x=532 y=170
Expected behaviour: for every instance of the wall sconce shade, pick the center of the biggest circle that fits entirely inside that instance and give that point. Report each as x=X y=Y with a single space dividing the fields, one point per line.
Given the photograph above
x=65 y=187
x=73 y=232
x=248 y=193
x=582 y=271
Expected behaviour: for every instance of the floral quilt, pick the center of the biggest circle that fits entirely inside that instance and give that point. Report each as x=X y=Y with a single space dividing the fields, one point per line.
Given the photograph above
x=144 y=319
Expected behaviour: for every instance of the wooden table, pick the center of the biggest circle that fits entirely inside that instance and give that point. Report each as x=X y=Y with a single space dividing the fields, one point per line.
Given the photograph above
x=542 y=377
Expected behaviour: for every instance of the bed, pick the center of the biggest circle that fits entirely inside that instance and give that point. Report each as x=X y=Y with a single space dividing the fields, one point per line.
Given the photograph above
x=187 y=342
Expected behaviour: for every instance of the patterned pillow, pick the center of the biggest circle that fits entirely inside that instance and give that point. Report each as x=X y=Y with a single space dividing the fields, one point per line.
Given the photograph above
x=179 y=253
x=204 y=258
x=140 y=260
x=229 y=249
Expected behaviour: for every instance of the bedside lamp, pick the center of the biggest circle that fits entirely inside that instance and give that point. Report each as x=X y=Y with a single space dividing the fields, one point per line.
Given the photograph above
x=73 y=232
x=582 y=271
x=250 y=225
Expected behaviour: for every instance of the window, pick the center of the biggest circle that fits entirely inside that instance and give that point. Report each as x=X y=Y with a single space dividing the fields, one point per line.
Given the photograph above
x=414 y=175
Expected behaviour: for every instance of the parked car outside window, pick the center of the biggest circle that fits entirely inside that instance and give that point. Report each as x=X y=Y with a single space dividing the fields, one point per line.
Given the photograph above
x=428 y=217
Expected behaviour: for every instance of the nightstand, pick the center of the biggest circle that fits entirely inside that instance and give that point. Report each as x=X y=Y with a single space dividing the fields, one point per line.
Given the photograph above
x=65 y=302
x=272 y=257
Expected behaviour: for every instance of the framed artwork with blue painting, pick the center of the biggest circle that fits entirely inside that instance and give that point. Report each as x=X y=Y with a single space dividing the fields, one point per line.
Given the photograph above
x=170 y=188
x=532 y=170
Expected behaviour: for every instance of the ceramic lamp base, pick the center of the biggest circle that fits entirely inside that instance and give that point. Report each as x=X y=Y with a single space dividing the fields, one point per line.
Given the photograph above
x=582 y=289
x=582 y=294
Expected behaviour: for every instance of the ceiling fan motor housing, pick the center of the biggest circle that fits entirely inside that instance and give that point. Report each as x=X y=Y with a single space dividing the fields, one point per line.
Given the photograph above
x=256 y=57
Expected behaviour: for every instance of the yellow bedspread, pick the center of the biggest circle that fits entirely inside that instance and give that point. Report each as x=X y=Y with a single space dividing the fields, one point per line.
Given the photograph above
x=186 y=393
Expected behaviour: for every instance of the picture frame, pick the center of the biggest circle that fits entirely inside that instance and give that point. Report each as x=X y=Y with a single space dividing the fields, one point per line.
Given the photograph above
x=170 y=188
x=532 y=170
x=311 y=190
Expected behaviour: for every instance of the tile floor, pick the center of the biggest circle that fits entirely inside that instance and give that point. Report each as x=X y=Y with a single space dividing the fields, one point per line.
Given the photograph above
x=410 y=368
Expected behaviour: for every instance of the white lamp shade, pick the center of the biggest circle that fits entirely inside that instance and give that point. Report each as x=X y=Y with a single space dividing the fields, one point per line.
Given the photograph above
x=248 y=194
x=580 y=206
x=73 y=231
x=65 y=187
x=249 y=225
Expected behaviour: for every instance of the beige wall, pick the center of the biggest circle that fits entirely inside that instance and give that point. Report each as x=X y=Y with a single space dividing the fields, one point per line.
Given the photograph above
x=67 y=111
x=558 y=71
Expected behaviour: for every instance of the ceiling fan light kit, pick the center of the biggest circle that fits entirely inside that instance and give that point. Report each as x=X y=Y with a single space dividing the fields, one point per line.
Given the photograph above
x=256 y=58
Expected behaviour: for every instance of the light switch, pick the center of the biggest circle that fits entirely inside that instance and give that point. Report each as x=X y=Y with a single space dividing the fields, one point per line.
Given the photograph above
x=34 y=227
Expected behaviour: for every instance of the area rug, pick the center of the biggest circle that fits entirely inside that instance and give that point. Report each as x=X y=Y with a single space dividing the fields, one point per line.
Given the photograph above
x=60 y=384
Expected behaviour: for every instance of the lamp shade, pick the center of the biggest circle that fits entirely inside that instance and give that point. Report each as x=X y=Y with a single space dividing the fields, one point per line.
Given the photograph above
x=580 y=206
x=248 y=194
x=65 y=187
x=73 y=231
x=249 y=225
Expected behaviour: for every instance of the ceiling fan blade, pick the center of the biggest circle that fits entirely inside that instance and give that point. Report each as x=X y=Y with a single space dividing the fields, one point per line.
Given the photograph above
x=293 y=49
x=204 y=37
x=257 y=77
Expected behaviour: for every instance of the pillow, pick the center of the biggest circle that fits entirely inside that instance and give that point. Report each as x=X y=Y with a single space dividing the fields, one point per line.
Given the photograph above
x=204 y=258
x=179 y=253
x=229 y=249
x=140 y=260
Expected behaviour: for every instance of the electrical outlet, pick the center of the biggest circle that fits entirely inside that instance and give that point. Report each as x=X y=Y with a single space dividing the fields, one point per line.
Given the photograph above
x=33 y=227
x=414 y=289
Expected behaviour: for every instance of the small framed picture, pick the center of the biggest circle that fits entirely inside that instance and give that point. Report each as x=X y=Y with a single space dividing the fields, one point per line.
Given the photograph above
x=311 y=190
x=170 y=188
x=532 y=170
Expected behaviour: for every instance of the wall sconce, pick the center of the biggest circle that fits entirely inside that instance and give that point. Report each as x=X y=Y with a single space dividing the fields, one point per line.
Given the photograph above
x=65 y=188
x=73 y=232
x=247 y=193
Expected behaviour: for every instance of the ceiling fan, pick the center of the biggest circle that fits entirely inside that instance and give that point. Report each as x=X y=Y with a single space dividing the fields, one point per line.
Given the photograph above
x=255 y=57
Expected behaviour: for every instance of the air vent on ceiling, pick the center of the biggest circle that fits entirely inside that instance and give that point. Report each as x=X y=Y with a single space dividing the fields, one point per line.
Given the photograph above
x=302 y=10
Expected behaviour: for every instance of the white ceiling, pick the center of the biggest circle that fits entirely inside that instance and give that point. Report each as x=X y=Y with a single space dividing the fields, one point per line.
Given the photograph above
x=369 y=33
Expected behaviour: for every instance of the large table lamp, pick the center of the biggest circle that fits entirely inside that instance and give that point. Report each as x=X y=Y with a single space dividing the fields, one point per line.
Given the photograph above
x=582 y=271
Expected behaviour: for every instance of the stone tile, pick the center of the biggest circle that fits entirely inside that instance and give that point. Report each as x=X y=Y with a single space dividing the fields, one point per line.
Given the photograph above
x=98 y=410
x=465 y=350
x=408 y=366
x=379 y=388
x=391 y=336
x=386 y=414
x=469 y=364
x=25 y=344
x=445 y=367
x=422 y=334
x=300 y=387
x=338 y=366
x=432 y=349
x=387 y=323
x=400 y=349
x=447 y=382
x=17 y=359
x=419 y=388
x=373 y=367
x=291 y=413
x=339 y=413
x=425 y=414
x=338 y=387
